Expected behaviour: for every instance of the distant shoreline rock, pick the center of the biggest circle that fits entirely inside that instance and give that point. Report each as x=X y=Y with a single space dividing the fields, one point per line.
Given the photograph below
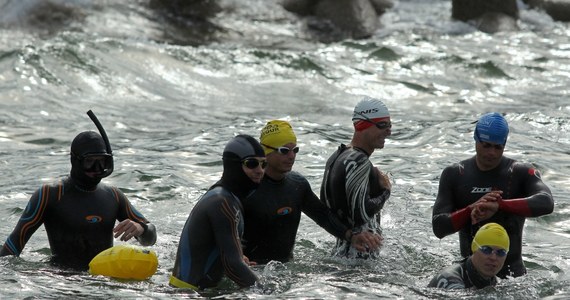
x=339 y=19
x=502 y=15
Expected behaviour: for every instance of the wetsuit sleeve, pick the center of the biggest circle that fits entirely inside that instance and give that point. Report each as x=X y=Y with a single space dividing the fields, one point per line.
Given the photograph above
x=30 y=221
x=128 y=211
x=323 y=216
x=224 y=218
x=357 y=184
x=538 y=203
x=445 y=218
x=148 y=238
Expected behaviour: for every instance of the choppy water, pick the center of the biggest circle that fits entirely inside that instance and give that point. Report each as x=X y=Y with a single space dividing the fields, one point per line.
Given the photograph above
x=171 y=96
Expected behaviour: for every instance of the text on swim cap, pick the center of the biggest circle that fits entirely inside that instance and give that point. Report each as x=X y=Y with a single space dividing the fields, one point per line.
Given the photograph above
x=270 y=129
x=368 y=111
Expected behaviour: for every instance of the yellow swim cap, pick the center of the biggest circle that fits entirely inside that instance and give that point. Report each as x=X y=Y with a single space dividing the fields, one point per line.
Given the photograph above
x=276 y=133
x=491 y=234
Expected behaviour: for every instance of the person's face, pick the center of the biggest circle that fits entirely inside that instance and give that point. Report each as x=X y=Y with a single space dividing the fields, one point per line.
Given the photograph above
x=488 y=155
x=281 y=160
x=253 y=167
x=376 y=135
x=488 y=263
x=94 y=165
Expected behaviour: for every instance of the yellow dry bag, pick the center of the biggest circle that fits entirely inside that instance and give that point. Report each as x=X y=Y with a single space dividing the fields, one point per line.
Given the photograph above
x=125 y=262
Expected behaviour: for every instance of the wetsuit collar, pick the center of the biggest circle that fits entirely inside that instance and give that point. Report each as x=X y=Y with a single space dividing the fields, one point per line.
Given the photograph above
x=82 y=187
x=273 y=180
x=361 y=150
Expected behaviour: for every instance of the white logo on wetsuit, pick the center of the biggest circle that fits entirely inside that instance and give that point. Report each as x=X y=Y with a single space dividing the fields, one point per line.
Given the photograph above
x=481 y=190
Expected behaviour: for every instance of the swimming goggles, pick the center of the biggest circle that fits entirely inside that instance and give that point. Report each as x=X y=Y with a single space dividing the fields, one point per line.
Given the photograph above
x=379 y=125
x=283 y=150
x=488 y=250
x=252 y=163
x=96 y=161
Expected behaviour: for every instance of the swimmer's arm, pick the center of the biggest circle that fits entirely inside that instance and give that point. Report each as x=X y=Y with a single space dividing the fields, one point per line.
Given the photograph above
x=362 y=207
x=323 y=216
x=148 y=237
x=30 y=221
x=225 y=218
x=446 y=218
x=533 y=206
x=381 y=182
x=129 y=217
x=540 y=201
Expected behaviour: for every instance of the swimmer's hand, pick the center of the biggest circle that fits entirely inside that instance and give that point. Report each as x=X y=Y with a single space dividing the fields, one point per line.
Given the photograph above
x=128 y=229
x=485 y=207
x=366 y=241
x=383 y=179
x=248 y=262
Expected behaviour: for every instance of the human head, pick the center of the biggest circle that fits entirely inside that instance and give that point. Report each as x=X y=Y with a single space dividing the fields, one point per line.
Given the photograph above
x=275 y=134
x=372 y=124
x=495 y=237
x=239 y=179
x=90 y=161
x=491 y=128
x=369 y=111
x=490 y=135
x=280 y=145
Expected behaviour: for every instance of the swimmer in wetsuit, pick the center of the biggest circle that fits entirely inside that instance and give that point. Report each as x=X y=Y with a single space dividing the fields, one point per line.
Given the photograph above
x=490 y=247
x=490 y=187
x=273 y=212
x=352 y=187
x=79 y=212
x=210 y=243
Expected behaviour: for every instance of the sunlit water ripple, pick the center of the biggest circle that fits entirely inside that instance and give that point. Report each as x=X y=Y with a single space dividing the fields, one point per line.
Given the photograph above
x=169 y=108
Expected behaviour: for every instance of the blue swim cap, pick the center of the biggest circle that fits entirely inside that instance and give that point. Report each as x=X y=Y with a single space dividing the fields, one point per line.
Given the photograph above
x=492 y=128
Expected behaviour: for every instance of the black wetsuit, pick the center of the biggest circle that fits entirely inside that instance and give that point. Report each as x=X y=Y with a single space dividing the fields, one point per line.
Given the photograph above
x=463 y=184
x=272 y=215
x=352 y=190
x=79 y=224
x=461 y=276
x=210 y=243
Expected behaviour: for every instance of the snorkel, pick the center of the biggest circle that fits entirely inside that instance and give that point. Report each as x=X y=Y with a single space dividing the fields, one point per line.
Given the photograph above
x=103 y=134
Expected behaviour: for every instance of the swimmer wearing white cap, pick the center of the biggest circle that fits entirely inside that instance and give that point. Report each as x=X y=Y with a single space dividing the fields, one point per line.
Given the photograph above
x=352 y=187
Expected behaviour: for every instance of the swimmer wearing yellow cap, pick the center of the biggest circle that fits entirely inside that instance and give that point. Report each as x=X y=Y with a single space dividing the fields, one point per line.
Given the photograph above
x=273 y=212
x=490 y=247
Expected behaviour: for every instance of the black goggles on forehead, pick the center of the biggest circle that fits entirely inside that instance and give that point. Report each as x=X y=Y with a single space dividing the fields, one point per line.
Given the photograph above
x=252 y=163
x=379 y=125
x=283 y=150
x=96 y=161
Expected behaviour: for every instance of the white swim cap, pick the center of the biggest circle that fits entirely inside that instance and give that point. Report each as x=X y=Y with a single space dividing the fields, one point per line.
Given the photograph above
x=369 y=109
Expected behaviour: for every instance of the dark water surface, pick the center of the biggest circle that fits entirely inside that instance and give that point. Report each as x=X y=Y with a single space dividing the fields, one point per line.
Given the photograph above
x=171 y=97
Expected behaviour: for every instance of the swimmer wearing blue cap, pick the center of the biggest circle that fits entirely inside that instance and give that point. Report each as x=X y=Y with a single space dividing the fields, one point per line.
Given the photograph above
x=490 y=187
